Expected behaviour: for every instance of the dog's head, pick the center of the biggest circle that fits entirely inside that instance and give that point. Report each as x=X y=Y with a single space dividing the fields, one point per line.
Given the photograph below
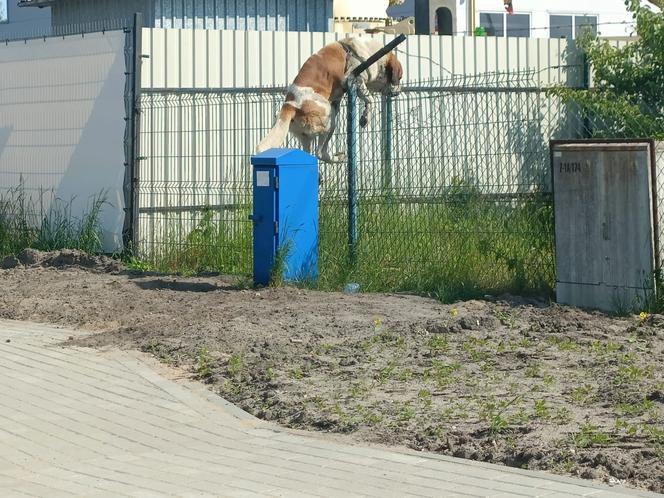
x=393 y=73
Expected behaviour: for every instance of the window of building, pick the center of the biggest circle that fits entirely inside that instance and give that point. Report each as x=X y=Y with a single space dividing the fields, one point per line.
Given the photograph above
x=494 y=24
x=571 y=27
x=3 y=11
x=518 y=25
x=502 y=24
x=583 y=23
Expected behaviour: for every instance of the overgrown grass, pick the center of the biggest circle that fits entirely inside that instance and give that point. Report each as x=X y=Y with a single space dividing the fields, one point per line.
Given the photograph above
x=458 y=245
x=214 y=244
x=41 y=221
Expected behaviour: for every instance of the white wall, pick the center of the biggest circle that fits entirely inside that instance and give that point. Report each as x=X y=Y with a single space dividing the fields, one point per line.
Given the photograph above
x=62 y=123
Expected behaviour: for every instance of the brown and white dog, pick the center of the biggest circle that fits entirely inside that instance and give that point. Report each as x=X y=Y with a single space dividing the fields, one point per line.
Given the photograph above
x=312 y=102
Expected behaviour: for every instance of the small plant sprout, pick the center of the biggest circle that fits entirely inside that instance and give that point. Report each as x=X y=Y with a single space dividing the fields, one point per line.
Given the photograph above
x=590 y=435
x=425 y=397
x=438 y=344
x=204 y=364
x=643 y=316
x=541 y=409
x=563 y=415
x=378 y=323
x=454 y=312
x=236 y=365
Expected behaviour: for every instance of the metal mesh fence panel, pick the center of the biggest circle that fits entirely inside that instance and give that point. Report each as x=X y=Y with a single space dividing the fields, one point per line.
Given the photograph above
x=452 y=187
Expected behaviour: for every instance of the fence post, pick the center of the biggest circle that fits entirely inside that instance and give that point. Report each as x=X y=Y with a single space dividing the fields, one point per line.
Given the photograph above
x=134 y=74
x=587 y=124
x=351 y=133
x=386 y=129
x=351 y=136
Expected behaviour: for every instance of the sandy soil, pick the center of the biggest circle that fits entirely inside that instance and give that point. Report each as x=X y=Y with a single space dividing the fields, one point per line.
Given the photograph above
x=504 y=380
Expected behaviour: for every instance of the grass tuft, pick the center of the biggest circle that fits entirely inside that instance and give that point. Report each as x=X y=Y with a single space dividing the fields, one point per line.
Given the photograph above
x=39 y=220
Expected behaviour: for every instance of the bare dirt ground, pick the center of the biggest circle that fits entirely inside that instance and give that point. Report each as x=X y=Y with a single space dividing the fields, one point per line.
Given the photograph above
x=505 y=380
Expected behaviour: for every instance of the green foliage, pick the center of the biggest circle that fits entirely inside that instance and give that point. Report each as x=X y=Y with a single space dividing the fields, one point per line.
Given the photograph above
x=461 y=244
x=236 y=365
x=541 y=409
x=590 y=435
x=204 y=364
x=438 y=344
x=627 y=98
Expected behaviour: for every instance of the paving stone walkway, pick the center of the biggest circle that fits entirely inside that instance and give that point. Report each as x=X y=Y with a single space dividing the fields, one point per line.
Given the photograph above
x=79 y=422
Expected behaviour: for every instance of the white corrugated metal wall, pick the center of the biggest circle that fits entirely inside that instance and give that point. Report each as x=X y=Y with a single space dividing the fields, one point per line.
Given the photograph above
x=86 y=13
x=266 y=15
x=220 y=58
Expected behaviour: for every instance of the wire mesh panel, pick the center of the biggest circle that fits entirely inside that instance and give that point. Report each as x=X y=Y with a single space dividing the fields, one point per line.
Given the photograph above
x=452 y=187
x=195 y=177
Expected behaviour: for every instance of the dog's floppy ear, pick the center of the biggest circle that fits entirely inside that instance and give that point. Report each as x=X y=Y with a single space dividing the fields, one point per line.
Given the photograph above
x=394 y=69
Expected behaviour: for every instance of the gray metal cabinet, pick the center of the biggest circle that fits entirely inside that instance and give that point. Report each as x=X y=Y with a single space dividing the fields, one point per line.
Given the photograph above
x=604 y=223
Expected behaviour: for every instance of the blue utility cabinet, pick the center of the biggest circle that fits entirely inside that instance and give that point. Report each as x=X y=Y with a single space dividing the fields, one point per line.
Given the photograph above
x=285 y=215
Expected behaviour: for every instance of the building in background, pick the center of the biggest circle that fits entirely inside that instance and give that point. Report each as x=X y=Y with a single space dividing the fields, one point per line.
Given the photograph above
x=267 y=15
x=16 y=22
x=531 y=18
x=353 y=16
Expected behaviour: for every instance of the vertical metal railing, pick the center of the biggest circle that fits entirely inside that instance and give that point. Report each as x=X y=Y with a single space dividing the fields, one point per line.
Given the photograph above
x=352 y=141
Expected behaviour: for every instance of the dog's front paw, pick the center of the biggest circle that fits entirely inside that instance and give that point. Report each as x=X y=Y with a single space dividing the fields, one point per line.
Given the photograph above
x=364 y=121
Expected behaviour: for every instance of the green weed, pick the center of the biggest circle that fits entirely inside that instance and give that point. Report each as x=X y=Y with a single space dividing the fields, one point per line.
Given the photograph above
x=425 y=397
x=533 y=371
x=563 y=416
x=636 y=409
x=438 y=344
x=590 y=435
x=204 y=364
x=297 y=373
x=406 y=413
x=583 y=395
x=564 y=343
x=506 y=317
x=442 y=372
x=541 y=409
x=236 y=365
x=494 y=414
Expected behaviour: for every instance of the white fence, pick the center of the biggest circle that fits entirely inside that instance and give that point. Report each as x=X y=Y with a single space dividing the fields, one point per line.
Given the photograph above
x=229 y=59
x=196 y=140
x=62 y=125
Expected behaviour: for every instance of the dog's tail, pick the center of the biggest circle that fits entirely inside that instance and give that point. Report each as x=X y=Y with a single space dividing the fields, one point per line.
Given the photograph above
x=279 y=131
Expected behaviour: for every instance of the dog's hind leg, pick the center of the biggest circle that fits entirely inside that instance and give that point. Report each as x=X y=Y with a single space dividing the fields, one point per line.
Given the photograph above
x=324 y=140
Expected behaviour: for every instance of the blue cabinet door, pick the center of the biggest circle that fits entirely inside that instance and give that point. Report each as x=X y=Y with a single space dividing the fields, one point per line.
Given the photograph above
x=265 y=224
